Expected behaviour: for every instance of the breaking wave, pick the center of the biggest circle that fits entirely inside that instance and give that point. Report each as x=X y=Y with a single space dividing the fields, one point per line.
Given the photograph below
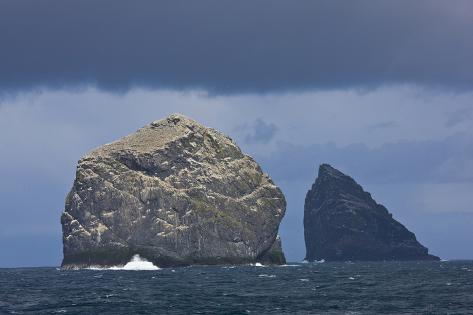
x=136 y=263
x=257 y=265
x=313 y=262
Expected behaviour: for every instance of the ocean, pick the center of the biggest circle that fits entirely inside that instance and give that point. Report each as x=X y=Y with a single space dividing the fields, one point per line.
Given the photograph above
x=316 y=288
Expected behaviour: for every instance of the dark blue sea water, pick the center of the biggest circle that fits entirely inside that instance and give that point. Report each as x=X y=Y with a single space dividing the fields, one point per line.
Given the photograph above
x=325 y=288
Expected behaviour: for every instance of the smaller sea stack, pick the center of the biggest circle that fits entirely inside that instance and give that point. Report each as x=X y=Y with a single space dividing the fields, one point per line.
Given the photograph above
x=342 y=222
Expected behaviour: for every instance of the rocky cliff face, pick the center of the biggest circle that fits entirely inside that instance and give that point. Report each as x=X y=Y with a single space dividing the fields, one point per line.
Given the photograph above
x=176 y=193
x=342 y=222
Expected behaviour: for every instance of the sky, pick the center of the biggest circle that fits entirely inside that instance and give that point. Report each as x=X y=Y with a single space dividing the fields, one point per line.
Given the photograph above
x=382 y=90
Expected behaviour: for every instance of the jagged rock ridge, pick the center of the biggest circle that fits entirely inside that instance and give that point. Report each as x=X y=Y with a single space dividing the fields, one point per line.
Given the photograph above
x=176 y=193
x=342 y=222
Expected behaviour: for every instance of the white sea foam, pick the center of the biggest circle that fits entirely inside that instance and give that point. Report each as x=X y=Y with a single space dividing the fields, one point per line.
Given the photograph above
x=313 y=262
x=257 y=265
x=136 y=263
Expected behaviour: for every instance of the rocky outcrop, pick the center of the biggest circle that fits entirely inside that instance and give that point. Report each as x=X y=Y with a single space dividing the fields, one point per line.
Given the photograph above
x=343 y=223
x=275 y=255
x=176 y=193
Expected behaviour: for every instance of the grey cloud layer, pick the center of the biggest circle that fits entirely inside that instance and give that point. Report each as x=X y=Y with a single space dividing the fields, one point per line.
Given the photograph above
x=228 y=46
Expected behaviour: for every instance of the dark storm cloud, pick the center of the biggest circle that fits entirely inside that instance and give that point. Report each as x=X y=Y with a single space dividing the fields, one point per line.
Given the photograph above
x=235 y=46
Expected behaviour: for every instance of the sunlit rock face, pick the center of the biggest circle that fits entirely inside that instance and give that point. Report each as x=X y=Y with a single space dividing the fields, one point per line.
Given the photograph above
x=343 y=223
x=176 y=193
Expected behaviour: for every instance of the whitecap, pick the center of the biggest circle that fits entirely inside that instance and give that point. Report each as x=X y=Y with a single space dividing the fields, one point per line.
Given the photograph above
x=266 y=276
x=314 y=262
x=137 y=263
x=257 y=265
x=92 y=268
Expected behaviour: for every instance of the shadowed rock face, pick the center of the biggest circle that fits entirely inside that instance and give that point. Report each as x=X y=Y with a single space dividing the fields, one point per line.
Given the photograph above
x=176 y=193
x=342 y=222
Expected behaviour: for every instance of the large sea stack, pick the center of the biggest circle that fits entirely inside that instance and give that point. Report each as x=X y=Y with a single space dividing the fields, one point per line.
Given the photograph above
x=176 y=193
x=343 y=223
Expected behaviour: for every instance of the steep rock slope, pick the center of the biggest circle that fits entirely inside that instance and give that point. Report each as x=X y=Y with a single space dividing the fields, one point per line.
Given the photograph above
x=176 y=193
x=342 y=222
